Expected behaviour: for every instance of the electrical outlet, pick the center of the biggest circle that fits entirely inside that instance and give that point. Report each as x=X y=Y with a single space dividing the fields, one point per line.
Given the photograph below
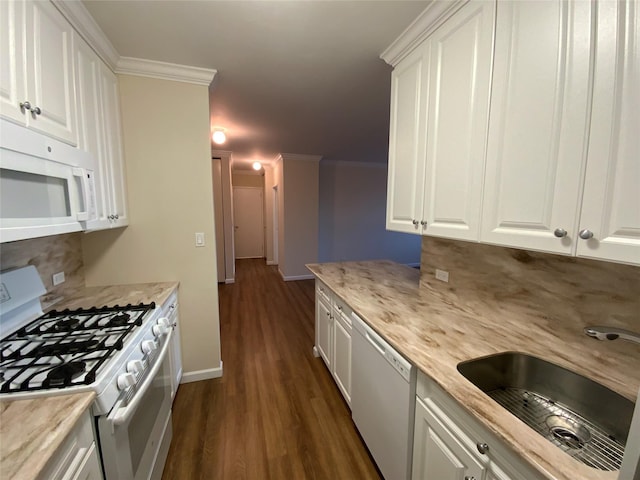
x=58 y=278
x=442 y=275
x=199 y=239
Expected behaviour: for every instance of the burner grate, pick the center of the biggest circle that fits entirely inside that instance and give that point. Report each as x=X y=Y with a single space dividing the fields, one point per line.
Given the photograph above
x=572 y=433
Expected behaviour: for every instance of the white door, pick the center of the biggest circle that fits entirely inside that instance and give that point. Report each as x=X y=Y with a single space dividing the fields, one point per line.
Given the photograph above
x=407 y=143
x=249 y=225
x=611 y=199
x=50 y=85
x=538 y=124
x=457 y=122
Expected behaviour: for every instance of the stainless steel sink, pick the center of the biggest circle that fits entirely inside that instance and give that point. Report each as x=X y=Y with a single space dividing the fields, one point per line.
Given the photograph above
x=585 y=419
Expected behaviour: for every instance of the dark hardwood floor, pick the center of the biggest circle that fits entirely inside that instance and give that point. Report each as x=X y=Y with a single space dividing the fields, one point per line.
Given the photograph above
x=276 y=412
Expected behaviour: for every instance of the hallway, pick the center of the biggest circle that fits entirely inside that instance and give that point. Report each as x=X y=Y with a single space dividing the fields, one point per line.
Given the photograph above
x=276 y=412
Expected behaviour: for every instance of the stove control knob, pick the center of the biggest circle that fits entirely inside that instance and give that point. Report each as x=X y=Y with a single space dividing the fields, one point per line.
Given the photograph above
x=126 y=380
x=149 y=346
x=159 y=330
x=134 y=366
x=164 y=321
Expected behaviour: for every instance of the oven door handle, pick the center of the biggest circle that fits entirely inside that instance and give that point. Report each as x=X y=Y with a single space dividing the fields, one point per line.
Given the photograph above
x=121 y=415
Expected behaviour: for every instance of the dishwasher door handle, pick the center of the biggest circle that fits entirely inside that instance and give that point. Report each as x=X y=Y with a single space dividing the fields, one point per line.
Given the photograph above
x=375 y=343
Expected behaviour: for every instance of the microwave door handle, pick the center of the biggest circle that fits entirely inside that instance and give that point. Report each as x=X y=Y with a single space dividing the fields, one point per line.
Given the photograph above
x=122 y=414
x=84 y=195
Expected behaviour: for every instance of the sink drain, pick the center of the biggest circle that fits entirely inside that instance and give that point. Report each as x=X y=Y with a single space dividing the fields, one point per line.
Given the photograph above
x=567 y=431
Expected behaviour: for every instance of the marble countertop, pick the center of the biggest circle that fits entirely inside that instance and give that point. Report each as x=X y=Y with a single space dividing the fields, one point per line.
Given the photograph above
x=111 y=295
x=32 y=430
x=435 y=332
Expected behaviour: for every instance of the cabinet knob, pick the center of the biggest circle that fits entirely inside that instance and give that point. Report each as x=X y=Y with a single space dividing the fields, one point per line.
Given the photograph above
x=415 y=222
x=36 y=110
x=585 y=234
x=116 y=216
x=26 y=105
x=482 y=448
x=560 y=232
x=423 y=223
x=469 y=477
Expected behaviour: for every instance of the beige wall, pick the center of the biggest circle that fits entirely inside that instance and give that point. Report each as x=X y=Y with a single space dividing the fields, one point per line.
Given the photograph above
x=168 y=162
x=239 y=179
x=300 y=174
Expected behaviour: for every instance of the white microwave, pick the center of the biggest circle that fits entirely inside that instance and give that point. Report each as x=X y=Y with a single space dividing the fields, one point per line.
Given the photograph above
x=46 y=187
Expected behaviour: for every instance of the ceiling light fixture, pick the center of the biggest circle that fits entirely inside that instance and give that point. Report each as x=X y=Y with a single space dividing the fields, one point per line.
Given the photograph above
x=219 y=136
x=257 y=166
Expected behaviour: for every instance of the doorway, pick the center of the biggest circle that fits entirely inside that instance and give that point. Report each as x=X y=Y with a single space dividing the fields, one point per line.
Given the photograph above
x=248 y=216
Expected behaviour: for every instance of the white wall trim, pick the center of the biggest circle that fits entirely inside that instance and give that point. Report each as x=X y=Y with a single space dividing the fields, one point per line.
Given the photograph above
x=299 y=156
x=198 y=375
x=431 y=18
x=293 y=278
x=165 y=71
x=82 y=21
x=271 y=262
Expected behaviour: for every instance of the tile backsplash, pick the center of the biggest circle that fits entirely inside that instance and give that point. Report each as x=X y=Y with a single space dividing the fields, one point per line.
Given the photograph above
x=568 y=291
x=57 y=253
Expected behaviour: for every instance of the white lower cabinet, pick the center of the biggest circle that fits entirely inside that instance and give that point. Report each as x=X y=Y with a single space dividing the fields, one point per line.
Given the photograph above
x=77 y=457
x=333 y=337
x=448 y=442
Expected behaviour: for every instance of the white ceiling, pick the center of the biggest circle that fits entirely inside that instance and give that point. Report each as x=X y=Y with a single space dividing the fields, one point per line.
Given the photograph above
x=293 y=76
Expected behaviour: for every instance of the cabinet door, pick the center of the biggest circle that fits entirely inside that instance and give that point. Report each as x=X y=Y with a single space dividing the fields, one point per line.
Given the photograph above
x=457 y=121
x=342 y=356
x=90 y=468
x=611 y=199
x=409 y=86
x=537 y=129
x=49 y=70
x=324 y=330
x=12 y=74
x=437 y=454
x=113 y=147
x=91 y=125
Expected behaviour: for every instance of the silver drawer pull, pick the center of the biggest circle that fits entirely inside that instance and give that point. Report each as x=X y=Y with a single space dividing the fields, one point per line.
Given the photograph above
x=483 y=448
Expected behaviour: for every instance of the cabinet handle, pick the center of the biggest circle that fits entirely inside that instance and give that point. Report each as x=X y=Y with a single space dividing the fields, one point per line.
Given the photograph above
x=328 y=315
x=116 y=216
x=483 y=448
x=339 y=308
x=585 y=234
x=26 y=105
x=468 y=477
x=36 y=110
x=560 y=232
x=415 y=222
x=423 y=223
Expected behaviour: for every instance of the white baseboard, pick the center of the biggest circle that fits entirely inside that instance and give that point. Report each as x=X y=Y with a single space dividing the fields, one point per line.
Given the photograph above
x=316 y=353
x=292 y=278
x=271 y=262
x=229 y=280
x=198 y=375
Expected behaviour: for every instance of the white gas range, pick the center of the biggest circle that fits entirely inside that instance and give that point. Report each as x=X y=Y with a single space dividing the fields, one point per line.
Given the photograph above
x=119 y=352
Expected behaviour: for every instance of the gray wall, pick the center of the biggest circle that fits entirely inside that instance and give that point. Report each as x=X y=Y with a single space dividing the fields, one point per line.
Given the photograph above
x=352 y=209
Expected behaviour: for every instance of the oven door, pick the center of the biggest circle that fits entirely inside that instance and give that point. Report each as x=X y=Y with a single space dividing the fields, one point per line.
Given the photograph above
x=135 y=438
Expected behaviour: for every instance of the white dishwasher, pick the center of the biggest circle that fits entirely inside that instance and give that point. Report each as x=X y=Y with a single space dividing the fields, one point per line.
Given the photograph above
x=383 y=389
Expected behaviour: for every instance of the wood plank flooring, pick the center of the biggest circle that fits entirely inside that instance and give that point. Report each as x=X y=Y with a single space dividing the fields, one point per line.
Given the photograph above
x=276 y=412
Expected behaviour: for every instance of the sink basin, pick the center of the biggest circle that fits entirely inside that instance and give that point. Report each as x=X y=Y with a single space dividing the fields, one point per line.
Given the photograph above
x=584 y=418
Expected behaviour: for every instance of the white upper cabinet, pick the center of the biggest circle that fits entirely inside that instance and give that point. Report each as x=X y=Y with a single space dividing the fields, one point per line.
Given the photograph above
x=37 y=88
x=407 y=142
x=439 y=109
x=457 y=121
x=611 y=199
x=539 y=124
x=99 y=133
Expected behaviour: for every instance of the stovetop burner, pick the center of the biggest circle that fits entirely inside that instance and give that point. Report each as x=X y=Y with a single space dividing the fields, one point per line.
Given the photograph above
x=67 y=348
x=63 y=375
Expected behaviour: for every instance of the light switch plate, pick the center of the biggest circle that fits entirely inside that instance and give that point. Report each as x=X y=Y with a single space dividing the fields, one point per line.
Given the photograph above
x=442 y=275
x=58 y=278
x=199 y=239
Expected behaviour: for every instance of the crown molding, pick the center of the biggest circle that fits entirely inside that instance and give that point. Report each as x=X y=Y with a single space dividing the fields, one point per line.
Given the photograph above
x=301 y=157
x=431 y=18
x=165 y=71
x=83 y=23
